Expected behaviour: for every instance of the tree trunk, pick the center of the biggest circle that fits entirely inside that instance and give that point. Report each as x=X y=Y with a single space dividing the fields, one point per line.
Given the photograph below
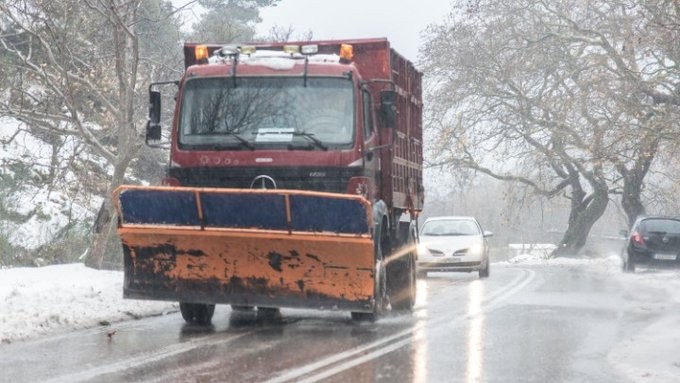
x=107 y=219
x=585 y=211
x=630 y=200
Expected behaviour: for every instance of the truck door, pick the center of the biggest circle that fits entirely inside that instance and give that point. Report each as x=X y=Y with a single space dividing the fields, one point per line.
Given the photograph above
x=371 y=141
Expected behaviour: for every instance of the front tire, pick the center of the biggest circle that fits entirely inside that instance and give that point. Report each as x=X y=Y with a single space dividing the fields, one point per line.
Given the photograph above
x=484 y=271
x=268 y=313
x=403 y=291
x=380 y=301
x=380 y=290
x=197 y=313
x=241 y=308
x=628 y=266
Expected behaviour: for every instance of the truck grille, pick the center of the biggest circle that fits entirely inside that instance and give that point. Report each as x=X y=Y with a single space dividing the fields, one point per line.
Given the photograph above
x=315 y=179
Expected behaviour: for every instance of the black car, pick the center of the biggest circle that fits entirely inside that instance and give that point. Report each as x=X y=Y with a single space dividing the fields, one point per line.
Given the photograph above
x=652 y=240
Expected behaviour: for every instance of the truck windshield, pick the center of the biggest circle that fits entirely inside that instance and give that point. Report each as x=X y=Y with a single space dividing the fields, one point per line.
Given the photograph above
x=268 y=111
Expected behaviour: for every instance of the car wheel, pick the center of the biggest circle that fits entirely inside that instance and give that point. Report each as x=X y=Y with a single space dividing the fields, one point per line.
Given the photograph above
x=484 y=271
x=198 y=313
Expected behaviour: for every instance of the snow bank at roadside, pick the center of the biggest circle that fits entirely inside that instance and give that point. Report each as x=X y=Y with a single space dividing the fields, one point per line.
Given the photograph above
x=608 y=262
x=52 y=299
x=647 y=354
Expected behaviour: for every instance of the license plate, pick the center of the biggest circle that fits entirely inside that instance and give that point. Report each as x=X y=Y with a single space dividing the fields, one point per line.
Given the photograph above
x=666 y=257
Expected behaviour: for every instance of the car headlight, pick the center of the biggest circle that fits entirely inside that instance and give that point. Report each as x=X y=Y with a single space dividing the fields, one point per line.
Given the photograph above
x=422 y=250
x=477 y=248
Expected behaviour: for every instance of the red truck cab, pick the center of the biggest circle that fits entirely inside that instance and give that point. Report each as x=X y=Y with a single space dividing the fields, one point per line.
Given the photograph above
x=323 y=120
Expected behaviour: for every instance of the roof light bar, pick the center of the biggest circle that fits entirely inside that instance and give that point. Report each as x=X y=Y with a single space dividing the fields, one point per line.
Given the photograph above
x=291 y=49
x=310 y=49
x=229 y=50
x=346 y=52
x=248 y=49
x=201 y=54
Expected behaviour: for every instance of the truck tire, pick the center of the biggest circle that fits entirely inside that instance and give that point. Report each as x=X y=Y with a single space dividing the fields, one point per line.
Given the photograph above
x=380 y=287
x=402 y=276
x=380 y=300
x=197 y=313
x=403 y=284
x=242 y=308
x=268 y=313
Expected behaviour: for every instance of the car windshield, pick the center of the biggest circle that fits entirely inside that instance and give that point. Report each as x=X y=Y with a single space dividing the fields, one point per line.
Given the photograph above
x=450 y=227
x=264 y=110
x=668 y=226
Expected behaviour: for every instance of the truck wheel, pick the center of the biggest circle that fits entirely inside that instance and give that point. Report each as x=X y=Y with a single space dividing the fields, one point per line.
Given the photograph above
x=380 y=301
x=380 y=290
x=198 y=313
x=403 y=291
x=268 y=313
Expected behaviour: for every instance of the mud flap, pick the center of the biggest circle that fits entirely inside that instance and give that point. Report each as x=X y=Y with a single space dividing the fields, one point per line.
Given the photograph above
x=272 y=248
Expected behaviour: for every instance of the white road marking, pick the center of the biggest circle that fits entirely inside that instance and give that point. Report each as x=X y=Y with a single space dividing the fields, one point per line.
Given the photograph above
x=144 y=358
x=394 y=342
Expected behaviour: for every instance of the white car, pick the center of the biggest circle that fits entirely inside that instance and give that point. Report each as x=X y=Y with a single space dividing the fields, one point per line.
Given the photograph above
x=453 y=244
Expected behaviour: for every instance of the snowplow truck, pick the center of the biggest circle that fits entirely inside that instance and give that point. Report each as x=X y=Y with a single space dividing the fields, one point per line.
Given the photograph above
x=294 y=181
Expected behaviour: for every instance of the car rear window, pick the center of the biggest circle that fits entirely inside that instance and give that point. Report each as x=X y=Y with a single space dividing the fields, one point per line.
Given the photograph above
x=661 y=225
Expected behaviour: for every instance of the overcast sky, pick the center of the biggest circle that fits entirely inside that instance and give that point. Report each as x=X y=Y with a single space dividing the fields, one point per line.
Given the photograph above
x=401 y=21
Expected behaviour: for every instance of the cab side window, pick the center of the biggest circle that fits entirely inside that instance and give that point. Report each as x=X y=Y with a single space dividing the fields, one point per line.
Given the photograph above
x=368 y=114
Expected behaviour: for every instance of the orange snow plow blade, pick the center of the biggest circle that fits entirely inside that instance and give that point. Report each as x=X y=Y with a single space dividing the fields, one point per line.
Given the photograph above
x=270 y=248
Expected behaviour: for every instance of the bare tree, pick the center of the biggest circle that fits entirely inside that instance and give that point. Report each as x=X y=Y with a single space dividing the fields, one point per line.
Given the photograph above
x=80 y=65
x=279 y=33
x=563 y=96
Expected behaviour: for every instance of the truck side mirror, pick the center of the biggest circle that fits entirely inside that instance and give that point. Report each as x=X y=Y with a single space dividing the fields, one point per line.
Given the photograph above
x=153 y=126
x=388 y=107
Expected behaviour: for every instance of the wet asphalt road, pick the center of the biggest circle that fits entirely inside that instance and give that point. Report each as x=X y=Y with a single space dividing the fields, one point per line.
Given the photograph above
x=523 y=324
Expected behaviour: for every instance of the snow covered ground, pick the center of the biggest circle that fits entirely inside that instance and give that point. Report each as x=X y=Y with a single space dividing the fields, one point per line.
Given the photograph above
x=57 y=299
x=54 y=299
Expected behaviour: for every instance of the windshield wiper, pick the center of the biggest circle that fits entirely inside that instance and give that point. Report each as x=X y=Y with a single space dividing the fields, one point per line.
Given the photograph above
x=311 y=137
x=245 y=143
